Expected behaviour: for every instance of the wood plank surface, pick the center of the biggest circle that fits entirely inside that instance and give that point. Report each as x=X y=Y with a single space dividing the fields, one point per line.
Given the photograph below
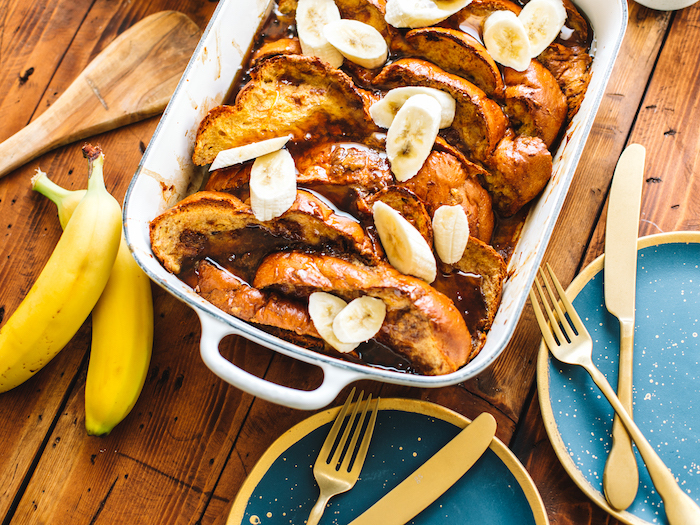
x=188 y=445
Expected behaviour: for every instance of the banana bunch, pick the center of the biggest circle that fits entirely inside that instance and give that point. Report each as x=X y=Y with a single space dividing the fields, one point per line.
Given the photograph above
x=69 y=285
x=122 y=328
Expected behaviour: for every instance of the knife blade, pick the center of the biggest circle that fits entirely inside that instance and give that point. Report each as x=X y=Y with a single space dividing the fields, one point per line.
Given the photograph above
x=434 y=477
x=621 y=476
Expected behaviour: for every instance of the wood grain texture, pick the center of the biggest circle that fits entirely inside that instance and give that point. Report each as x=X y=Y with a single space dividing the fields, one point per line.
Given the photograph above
x=191 y=440
x=131 y=79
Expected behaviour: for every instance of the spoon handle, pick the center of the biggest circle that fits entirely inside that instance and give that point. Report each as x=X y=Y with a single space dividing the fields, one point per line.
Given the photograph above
x=681 y=509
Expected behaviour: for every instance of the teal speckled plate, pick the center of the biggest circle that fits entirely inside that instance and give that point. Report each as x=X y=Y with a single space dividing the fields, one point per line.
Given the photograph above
x=666 y=374
x=281 y=488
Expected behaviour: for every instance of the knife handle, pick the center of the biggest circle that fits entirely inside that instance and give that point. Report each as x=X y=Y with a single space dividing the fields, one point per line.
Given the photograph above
x=621 y=475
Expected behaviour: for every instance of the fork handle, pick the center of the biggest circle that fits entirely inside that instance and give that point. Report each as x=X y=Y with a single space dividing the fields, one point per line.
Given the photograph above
x=680 y=508
x=318 y=510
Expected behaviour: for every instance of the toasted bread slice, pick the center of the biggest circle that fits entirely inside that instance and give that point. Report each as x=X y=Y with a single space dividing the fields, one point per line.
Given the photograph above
x=459 y=53
x=282 y=46
x=534 y=102
x=571 y=66
x=344 y=164
x=471 y=18
x=444 y=179
x=421 y=323
x=231 y=295
x=518 y=170
x=479 y=123
x=481 y=259
x=293 y=95
x=220 y=225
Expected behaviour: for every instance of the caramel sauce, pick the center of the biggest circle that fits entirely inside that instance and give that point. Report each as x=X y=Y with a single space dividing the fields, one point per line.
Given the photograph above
x=465 y=291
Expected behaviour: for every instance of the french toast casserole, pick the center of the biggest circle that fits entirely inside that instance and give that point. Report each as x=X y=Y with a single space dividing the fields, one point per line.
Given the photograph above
x=351 y=242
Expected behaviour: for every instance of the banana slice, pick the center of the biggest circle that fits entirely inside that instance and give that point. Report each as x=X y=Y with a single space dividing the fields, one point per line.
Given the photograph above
x=411 y=136
x=360 y=320
x=384 y=111
x=323 y=309
x=358 y=42
x=406 y=249
x=229 y=157
x=312 y=16
x=506 y=40
x=421 y=13
x=273 y=185
x=450 y=233
x=543 y=20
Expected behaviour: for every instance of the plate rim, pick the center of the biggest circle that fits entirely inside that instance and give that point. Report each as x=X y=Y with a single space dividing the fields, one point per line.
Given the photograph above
x=427 y=408
x=579 y=282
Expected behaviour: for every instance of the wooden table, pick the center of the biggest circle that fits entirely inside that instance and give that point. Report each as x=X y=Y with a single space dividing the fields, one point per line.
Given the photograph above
x=184 y=451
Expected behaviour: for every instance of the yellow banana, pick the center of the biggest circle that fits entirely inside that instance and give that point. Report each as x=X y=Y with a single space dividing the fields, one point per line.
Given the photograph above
x=122 y=329
x=69 y=285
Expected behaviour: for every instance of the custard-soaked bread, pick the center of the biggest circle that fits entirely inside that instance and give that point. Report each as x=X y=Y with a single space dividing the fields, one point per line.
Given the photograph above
x=479 y=122
x=474 y=14
x=446 y=179
x=534 y=102
x=518 y=170
x=228 y=293
x=293 y=95
x=344 y=164
x=421 y=323
x=408 y=205
x=481 y=259
x=571 y=66
x=459 y=53
x=220 y=225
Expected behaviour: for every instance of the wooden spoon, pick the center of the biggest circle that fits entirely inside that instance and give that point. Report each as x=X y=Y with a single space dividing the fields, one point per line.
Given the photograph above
x=131 y=79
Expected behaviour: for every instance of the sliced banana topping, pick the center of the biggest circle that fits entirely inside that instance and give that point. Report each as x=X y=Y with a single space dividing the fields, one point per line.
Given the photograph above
x=358 y=42
x=229 y=157
x=360 y=320
x=506 y=40
x=543 y=20
x=421 y=13
x=311 y=17
x=273 y=185
x=384 y=110
x=450 y=233
x=411 y=136
x=406 y=249
x=323 y=309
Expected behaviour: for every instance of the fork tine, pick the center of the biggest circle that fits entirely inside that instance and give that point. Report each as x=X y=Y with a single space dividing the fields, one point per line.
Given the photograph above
x=554 y=326
x=555 y=319
x=355 y=435
x=364 y=445
x=573 y=315
x=541 y=321
x=324 y=454
x=358 y=430
x=344 y=439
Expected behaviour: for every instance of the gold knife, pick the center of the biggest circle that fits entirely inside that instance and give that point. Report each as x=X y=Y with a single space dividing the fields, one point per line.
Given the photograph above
x=434 y=477
x=621 y=475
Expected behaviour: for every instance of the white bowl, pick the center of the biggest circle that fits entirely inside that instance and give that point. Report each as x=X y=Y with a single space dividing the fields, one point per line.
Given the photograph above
x=166 y=175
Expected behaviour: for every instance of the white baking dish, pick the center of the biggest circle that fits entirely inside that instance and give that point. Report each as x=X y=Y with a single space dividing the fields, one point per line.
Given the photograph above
x=166 y=175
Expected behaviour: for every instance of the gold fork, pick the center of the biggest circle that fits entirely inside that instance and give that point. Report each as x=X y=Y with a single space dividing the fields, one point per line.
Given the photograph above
x=333 y=479
x=575 y=347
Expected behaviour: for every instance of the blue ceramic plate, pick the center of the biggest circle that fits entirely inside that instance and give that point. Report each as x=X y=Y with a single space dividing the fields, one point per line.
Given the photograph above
x=281 y=488
x=666 y=375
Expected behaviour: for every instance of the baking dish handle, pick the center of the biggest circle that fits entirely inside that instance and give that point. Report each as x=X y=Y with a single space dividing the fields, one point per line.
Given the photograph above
x=334 y=378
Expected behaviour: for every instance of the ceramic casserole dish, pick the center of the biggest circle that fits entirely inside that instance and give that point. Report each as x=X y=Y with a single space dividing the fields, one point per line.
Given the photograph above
x=166 y=175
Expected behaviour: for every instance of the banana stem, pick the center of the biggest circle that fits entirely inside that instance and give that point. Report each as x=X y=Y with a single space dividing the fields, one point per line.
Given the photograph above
x=65 y=200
